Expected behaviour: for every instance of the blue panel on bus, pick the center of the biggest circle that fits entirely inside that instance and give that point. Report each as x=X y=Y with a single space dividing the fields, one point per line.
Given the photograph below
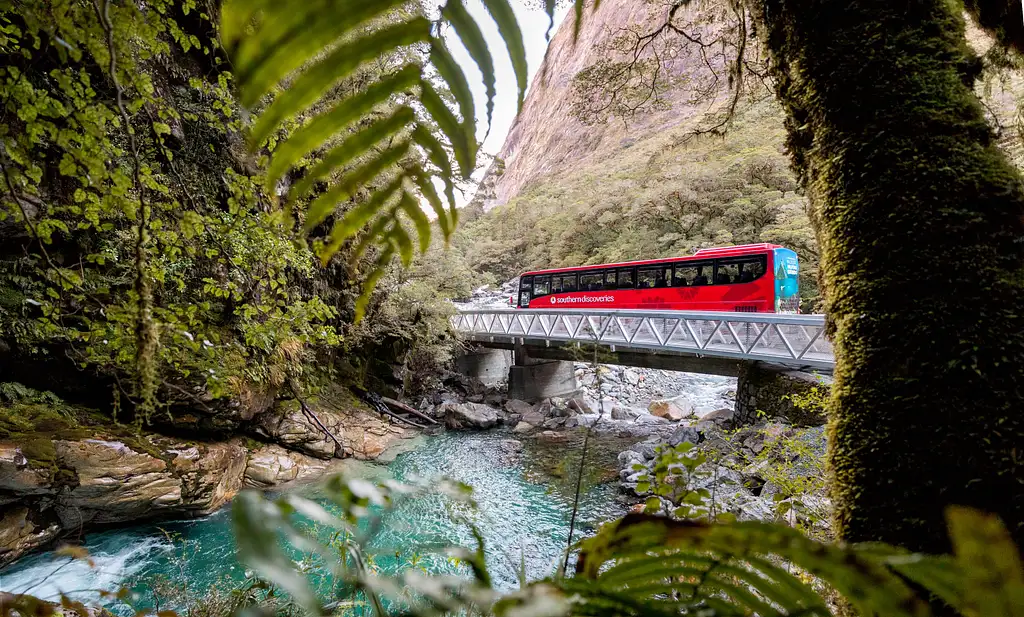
x=787 y=287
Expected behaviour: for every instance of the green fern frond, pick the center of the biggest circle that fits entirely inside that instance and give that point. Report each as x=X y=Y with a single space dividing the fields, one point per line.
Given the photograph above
x=386 y=144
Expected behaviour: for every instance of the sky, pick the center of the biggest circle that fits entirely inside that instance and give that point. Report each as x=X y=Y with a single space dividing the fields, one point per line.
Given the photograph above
x=534 y=24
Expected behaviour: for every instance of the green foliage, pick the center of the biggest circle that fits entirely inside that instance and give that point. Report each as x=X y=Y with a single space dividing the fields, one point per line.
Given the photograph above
x=297 y=52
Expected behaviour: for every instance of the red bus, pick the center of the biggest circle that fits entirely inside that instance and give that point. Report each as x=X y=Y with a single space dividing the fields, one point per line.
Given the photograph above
x=755 y=278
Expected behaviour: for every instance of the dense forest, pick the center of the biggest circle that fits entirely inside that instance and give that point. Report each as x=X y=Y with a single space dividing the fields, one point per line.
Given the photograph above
x=214 y=239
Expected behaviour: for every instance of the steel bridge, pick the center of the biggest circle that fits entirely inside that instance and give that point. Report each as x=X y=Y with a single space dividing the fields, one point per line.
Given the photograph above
x=796 y=341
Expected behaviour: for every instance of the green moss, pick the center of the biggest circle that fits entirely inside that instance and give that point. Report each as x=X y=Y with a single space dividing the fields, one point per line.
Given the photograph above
x=40 y=452
x=920 y=222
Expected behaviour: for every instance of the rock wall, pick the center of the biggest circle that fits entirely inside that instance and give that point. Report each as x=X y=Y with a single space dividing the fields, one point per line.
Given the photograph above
x=766 y=391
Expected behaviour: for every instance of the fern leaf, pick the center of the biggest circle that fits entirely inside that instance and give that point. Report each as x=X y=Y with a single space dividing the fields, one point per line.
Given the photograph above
x=402 y=241
x=419 y=220
x=355 y=146
x=437 y=155
x=291 y=33
x=473 y=40
x=321 y=128
x=371 y=283
x=357 y=217
x=865 y=582
x=308 y=87
x=986 y=553
x=371 y=235
x=462 y=141
x=323 y=205
x=508 y=27
x=428 y=191
x=236 y=15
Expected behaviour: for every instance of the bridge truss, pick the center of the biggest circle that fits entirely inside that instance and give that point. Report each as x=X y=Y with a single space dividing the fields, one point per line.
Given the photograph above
x=794 y=340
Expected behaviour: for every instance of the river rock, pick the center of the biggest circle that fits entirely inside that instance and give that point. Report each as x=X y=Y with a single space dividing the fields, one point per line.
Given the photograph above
x=517 y=406
x=631 y=376
x=272 y=466
x=684 y=434
x=523 y=427
x=18 y=477
x=470 y=415
x=720 y=417
x=553 y=436
x=580 y=405
x=674 y=409
x=534 y=417
x=19 y=533
x=114 y=483
x=621 y=412
x=211 y=474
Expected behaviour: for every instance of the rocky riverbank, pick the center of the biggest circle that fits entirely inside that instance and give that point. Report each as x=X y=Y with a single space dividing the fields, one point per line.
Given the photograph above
x=89 y=472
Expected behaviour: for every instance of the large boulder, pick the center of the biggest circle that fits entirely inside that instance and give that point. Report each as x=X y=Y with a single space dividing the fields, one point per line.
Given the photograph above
x=674 y=409
x=211 y=474
x=470 y=415
x=516 y=406
x=361 y=433
x=272 y=466
x=18 y=477
x=114 y=483
x=19 y=533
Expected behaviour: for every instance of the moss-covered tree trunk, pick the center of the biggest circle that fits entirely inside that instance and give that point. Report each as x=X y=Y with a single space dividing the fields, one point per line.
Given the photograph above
x=921 y=224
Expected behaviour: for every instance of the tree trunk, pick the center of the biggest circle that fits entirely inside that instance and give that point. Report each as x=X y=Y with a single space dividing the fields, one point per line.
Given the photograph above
x=921 y=224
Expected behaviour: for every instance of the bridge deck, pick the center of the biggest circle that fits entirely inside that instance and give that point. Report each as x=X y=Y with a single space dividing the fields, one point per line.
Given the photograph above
x=794 y=340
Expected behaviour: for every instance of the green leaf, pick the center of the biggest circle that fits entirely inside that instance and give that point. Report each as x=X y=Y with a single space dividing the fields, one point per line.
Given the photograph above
x=347 y=186
x=256 y=523
x=502 y=14
x=371 y=283
x=437 y=155
x=357 y=217
x=402 y=241
x=459 y=134
x=473 y=40
x=354 y=146
x=325 y=126
x=987 y=555
x=311 y=84
x=418 y=218
x=291 y=33
x=426 y=188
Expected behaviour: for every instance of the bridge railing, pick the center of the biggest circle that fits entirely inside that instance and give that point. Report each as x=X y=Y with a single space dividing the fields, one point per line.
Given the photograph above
x=796 y=340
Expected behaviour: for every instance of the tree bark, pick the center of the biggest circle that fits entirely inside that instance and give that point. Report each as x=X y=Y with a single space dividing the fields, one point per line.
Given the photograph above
x=921 y=225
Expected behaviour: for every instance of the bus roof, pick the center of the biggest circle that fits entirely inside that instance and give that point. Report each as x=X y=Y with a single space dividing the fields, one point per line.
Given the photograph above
x=725 y=251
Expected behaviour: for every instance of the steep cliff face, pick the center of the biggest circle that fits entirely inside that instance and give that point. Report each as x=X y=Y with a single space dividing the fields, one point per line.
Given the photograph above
x=548 y=138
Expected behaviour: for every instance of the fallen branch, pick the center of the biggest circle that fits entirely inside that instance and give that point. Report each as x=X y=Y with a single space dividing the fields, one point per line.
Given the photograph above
x=407 y=409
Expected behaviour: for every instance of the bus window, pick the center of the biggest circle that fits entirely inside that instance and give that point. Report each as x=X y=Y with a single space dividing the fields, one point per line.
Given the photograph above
x=727 y=272
x=541 y=286
x=609 y=280
x=752 y=268
x=592 y=281
x=525 y=285
x=625 y=279
x=568 y=282
x=686 y=275
x=649 y=278
x=556 y=284
x=664 y=277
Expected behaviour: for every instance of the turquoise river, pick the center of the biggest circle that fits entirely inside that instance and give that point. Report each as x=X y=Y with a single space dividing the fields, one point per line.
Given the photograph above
x=524 y=501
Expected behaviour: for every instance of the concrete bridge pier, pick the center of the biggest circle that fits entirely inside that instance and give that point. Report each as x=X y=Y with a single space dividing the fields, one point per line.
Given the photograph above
x=532 y=379
x=490 y=366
